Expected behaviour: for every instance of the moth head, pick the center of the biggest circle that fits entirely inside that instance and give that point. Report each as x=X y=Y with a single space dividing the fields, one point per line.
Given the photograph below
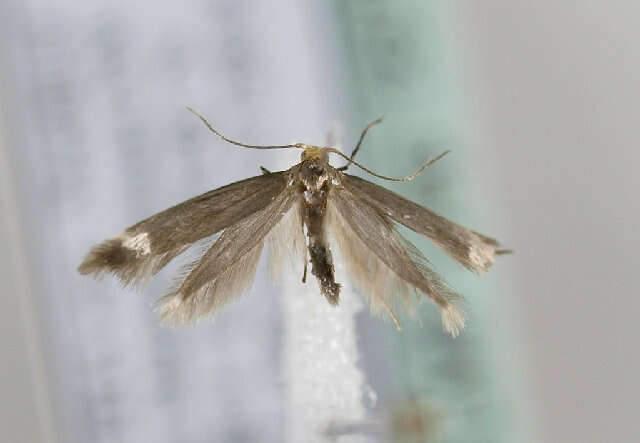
x=314 y=153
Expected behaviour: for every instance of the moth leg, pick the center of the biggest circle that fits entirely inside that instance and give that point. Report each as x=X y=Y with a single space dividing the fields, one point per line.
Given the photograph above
x=357 y=148
x=306 y=247
x=264 y=170
x=304 y=274
x=306 y=260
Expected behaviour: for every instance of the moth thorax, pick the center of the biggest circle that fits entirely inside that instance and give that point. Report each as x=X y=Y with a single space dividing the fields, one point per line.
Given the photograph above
x=313 y=176
x=313 y=172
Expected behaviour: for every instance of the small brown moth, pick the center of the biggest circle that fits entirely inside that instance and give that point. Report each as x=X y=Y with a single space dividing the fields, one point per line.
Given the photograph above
x=298 y=210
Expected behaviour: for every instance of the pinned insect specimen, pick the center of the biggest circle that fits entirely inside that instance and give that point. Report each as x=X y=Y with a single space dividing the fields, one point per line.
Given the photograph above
x=301 y=212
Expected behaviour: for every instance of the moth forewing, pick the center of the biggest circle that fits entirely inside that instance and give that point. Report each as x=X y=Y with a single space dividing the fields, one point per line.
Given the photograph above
x=474 y=251
x=393 y=262
x=373 y=278
x=227 y=269
x=146 y=247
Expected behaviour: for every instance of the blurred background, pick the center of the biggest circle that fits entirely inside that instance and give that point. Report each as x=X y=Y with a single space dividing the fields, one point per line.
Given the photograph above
x=536 y=100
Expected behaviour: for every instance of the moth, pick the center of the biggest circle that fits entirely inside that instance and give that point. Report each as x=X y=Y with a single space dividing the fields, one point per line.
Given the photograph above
x=301 y=213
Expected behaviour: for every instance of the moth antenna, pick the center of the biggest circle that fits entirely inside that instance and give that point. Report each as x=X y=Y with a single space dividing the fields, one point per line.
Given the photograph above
x=357 y=148
x=233 y=142
x=408 y=178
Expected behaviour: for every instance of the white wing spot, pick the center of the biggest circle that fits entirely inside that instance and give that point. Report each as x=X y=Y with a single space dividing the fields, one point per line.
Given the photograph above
x=481 y=257
x=139 y=243
x=453 y=319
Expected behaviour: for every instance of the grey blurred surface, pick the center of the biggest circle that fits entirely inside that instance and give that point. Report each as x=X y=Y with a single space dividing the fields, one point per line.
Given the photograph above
x=26 y=410
x=556 y=106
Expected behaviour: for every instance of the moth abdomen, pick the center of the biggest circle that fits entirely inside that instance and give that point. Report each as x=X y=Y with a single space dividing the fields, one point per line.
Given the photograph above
x=322 y=268
x=315 y=188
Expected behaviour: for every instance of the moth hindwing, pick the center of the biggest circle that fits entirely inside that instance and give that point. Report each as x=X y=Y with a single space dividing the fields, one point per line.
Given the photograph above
x=303 y=211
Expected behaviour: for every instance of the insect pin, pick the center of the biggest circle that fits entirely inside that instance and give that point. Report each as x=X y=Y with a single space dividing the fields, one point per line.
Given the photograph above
x=302 y=212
